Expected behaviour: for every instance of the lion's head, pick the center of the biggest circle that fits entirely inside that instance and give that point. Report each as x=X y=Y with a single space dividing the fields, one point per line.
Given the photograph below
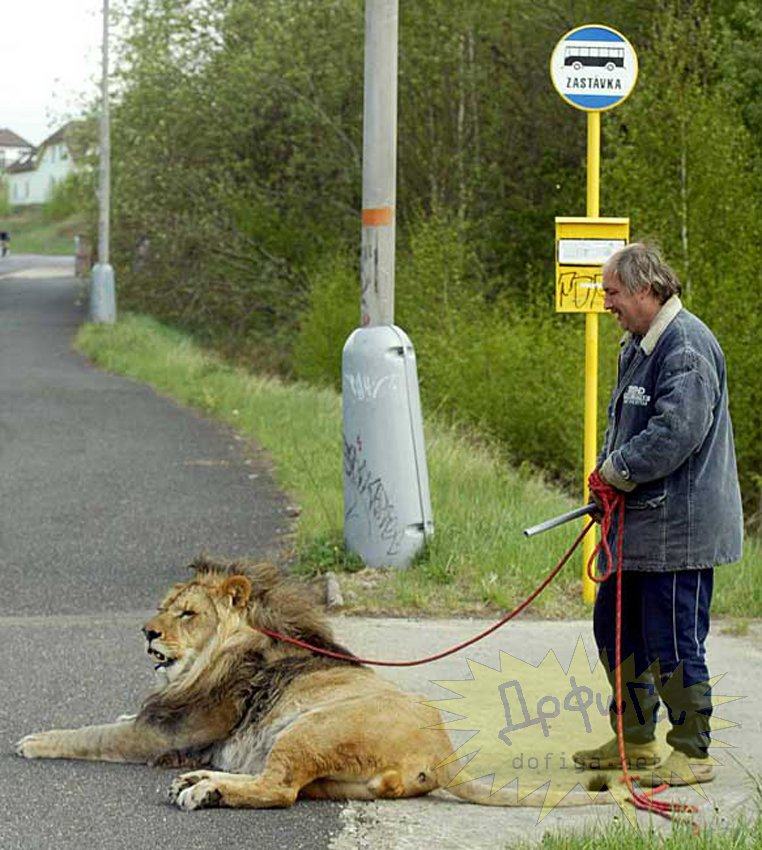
x=191 y=614
x=212 y=659
x=220 y=602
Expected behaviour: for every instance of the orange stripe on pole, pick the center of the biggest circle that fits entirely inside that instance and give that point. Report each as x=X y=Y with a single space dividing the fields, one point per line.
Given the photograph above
x=377 y=217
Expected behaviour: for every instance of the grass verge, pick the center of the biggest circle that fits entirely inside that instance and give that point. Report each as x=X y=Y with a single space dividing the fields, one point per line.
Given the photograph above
x=30 y=234
x=742 y=835
x=478 y=560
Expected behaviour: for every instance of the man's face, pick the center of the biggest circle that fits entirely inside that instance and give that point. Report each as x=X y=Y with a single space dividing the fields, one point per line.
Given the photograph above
x=633 y=310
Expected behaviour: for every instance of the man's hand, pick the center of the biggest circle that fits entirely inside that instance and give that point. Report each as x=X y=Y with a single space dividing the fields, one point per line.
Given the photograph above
x=601 y=492
x=596 y=514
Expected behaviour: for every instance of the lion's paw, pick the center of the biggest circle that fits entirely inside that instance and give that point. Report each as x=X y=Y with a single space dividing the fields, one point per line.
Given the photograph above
x=201 y=794
x=35 y=746
x=187 y=780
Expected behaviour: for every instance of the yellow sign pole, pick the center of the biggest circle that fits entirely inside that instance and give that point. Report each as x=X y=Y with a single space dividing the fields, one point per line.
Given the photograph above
x=591 y=347
x=593 y=164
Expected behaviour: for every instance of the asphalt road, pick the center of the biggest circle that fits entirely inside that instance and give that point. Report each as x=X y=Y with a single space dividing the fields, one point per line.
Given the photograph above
x=107 y=492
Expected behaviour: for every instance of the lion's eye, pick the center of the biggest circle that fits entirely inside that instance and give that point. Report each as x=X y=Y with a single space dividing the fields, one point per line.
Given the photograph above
x=187 y=614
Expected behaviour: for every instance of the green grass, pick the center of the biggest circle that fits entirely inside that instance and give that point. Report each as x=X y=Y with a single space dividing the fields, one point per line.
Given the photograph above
x=31 y=235
x=741 y=835
x=478 y=560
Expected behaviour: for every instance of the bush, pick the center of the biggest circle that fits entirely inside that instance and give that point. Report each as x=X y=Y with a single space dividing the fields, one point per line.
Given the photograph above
x=332 y=314
x=66 y=199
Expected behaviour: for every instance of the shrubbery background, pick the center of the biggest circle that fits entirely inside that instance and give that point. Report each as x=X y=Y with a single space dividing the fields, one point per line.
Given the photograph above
x=237 y=173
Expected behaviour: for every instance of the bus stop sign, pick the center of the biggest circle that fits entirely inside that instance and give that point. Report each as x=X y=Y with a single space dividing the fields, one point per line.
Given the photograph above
x=594 y=68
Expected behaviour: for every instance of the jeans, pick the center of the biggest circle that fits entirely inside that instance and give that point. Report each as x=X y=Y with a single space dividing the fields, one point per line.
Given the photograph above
x=665 y=621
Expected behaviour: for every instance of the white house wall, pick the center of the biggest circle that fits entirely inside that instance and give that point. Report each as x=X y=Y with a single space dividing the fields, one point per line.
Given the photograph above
x=24 y=189
x=36 y=186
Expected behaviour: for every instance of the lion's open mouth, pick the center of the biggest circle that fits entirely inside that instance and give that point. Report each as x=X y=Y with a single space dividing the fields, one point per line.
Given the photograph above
x=163 y=661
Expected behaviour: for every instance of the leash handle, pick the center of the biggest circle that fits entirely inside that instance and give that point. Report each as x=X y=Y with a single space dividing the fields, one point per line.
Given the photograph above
x=585 y=510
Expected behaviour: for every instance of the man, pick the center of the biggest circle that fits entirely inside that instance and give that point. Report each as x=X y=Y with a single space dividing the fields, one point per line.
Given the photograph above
x=669 y=448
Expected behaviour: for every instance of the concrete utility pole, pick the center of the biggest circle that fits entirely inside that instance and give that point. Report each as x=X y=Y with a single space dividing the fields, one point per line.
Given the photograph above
x=102 y=292
x=379 y=171
x=387 y=509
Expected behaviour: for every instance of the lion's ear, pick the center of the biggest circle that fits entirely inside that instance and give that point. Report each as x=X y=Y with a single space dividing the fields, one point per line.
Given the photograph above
x=238 y=588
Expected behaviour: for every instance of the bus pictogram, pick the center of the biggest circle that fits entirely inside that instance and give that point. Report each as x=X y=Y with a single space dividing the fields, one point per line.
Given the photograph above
x=597 y=57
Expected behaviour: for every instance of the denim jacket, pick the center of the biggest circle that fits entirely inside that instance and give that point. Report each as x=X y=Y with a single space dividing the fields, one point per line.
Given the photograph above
x=669 y=446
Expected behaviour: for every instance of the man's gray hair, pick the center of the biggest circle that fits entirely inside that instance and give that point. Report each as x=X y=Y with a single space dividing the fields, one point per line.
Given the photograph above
x=638 y=266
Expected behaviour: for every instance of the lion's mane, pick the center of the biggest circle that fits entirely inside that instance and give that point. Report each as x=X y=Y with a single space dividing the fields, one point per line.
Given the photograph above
x=244 y=673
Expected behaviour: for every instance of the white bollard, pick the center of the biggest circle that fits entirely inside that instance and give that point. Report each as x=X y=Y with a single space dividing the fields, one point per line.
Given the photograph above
x=103 y=295
x=387 y=506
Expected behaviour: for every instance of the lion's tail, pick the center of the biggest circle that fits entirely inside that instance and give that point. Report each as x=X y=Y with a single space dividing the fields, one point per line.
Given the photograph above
x=474 y=792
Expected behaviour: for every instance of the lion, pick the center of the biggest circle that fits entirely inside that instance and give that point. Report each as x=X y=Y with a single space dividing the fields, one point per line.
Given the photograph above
x=262 y=723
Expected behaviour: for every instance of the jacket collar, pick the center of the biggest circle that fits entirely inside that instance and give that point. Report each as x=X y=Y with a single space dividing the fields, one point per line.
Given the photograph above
x=671 y=307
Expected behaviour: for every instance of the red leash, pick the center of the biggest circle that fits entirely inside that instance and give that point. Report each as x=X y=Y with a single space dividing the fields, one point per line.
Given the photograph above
x=612 y=504
x=453 y=649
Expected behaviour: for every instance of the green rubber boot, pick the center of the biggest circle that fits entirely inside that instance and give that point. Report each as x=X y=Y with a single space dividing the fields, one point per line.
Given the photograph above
x=606 y=757
x=680 y=769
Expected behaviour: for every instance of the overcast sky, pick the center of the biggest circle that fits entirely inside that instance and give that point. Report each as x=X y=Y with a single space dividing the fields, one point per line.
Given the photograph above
x=49 y=57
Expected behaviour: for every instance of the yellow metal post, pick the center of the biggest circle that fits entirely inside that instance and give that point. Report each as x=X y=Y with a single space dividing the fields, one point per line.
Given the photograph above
x=591 y=345
x=593 y=164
